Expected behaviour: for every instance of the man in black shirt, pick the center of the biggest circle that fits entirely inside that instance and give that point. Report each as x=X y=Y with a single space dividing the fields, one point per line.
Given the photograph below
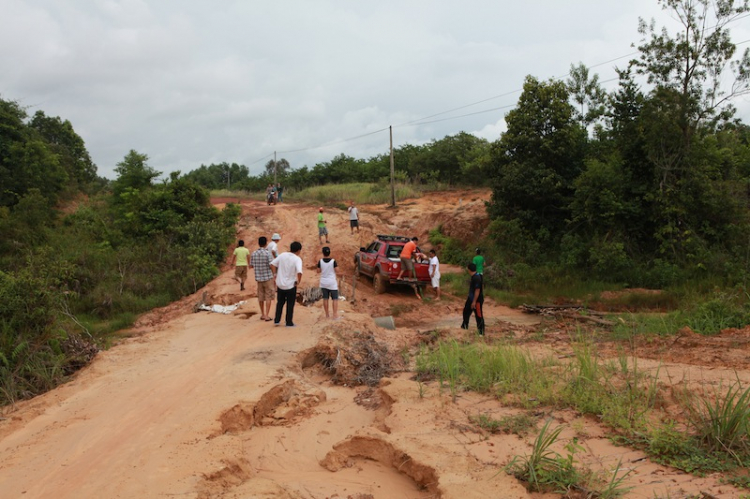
x=475 y=300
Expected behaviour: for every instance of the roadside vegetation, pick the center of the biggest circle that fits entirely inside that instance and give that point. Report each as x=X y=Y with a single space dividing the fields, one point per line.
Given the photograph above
x=713 y=436
x=80 y=256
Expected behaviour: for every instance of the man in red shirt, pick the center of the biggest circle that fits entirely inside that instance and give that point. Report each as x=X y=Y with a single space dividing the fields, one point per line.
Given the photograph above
x=407 y=263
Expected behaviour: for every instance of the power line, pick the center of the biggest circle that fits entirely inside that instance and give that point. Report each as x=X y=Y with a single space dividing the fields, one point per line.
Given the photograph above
x=334 y=143
x=421 y=121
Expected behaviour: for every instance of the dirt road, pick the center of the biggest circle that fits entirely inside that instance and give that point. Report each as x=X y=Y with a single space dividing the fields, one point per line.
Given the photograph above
x=211 y=405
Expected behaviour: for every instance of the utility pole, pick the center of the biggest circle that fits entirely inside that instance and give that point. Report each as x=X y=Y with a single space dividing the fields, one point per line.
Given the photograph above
x=393 y=173
x=229 y=182
x=274 y=168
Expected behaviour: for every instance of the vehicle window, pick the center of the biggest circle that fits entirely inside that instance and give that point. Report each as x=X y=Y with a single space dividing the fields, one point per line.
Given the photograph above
x=393 y=251
x=372 y=248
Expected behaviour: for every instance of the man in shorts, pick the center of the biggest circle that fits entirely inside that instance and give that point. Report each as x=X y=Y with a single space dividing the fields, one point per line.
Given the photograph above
x=407 y=254
x=435 y=273
x=322 y=230
x=328 y=282
x=260 y=261
x=353 y=218
x=239 y=260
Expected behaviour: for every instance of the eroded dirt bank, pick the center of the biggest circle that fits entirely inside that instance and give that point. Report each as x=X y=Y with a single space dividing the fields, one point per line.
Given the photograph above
x=208 y=405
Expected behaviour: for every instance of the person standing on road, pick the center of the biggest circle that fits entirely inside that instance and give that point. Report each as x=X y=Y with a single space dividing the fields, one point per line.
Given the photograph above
x=260 y=261
x=287 y=267
x=280 y=191
x=322 y=230
x=475 y=300
x=328 y=282
x=478 y=260
x=435 y=273
x=353 y=218
x=273 y=245
x=239 y=260
x=407 y=263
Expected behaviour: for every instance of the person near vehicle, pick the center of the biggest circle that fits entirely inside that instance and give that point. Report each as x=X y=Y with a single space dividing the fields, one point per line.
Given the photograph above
x=273 y=245
x=328 y=282
x=260 y=262
x=270 y=193
x=478 y=260
x=409 y=251
x=287 y=267
x=353 y=218
x=279 y=191
x=239 y=260
x=475 y=300
x=322 y=230
x=435 y=273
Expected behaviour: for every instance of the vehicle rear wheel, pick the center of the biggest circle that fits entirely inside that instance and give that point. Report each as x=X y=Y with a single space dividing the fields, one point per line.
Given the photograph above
x=378 y=282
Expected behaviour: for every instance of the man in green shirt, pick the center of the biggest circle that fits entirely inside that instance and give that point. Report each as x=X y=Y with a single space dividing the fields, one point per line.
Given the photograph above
x=240 y=260
x=479 y=262
x=322 y=230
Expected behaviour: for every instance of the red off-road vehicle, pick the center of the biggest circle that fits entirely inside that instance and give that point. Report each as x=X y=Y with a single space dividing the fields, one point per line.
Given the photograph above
x=381 y=260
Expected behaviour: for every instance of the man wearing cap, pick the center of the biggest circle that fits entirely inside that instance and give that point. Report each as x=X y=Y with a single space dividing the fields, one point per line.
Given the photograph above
x=273 y=245
x=322 y=230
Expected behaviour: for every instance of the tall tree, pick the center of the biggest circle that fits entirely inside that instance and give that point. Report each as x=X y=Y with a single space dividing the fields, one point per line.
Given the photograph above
x=68 y=145
x=280 y=167
x=537 y=160
x=693 y=61
x=587 y=93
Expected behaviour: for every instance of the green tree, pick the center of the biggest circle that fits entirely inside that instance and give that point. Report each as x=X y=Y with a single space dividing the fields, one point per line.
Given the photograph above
x=280 y=167
x=587 y=93
x=134 y=174
x=68 y=145
x=536 y=161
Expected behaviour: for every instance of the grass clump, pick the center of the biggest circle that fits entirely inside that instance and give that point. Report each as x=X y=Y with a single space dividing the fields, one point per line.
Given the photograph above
x=546 y=470
x=722 y=422
x=518 y=424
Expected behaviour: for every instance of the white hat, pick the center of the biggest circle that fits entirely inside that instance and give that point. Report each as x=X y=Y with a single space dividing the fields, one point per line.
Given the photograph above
x=275 y=237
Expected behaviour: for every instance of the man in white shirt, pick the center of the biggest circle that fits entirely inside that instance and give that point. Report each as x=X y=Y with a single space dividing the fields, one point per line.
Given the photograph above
x=353 y=218
x=273 y=245
x=434 y=269
x=287 y=267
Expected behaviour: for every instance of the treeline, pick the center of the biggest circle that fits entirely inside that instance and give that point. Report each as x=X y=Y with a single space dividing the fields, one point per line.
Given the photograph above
x=80 y=257
x=457 y=160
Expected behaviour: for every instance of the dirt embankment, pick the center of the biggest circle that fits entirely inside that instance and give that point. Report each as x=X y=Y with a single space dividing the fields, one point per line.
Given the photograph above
x=207 y=405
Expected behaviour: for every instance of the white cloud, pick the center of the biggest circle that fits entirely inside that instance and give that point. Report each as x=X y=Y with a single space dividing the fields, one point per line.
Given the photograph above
x=191 y=82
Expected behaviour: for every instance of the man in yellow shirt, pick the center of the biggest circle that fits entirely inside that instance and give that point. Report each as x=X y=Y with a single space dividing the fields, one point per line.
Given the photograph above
x=240 y=260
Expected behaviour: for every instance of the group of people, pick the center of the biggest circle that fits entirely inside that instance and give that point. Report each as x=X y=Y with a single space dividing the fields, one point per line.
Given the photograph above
x=323 y=227
x=279 y=273
x=274 y=193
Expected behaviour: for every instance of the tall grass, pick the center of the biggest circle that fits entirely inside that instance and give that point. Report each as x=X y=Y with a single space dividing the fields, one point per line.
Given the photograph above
x=722 y=422
x=500 y=369
x=360 y=193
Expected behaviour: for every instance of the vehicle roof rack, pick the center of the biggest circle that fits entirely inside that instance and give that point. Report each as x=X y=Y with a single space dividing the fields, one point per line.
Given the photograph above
x=402 y=239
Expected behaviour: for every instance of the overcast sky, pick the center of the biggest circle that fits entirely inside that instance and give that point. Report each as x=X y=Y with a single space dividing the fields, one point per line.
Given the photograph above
x=191 y=82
